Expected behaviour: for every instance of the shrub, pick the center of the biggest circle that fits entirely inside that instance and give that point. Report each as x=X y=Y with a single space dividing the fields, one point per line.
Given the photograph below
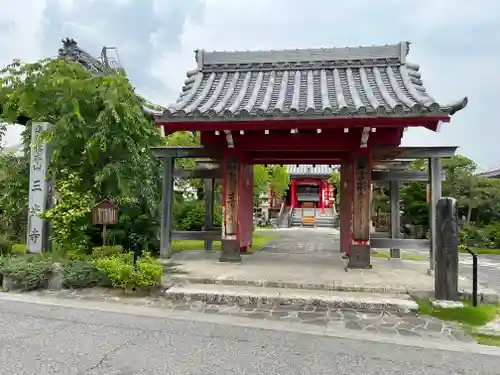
x=77 y=274
x=19 y=249
x=122 y=273
x=5 y=246
x=106 y=251
x=30 y=272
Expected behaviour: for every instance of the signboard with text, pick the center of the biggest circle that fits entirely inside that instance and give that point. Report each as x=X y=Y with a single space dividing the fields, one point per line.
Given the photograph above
x=38 y=189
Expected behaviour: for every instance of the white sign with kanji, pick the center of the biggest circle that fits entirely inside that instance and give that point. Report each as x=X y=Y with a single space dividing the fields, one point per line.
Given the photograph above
x=38 y=189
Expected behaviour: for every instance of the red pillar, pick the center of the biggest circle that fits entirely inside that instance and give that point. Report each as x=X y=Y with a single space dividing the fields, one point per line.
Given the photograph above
x=292 y=192
x=322 y=196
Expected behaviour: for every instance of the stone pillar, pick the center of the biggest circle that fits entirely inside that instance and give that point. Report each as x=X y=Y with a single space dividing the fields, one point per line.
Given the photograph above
x=394 y=187
x=446 y=251
x=209 y=209
x=435 y=194
x=166 y=210
x=230 y=245
x=346 y=178
x=360 y=250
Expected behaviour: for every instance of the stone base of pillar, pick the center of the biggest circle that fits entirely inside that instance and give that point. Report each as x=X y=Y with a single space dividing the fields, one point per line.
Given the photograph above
x=230 y=251
x=395 y=253
x=360 y=256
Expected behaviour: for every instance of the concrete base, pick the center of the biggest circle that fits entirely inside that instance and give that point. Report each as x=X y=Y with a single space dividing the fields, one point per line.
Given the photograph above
x=360 y=256
x=234 y=294
x=446 y=304
x=230 y=251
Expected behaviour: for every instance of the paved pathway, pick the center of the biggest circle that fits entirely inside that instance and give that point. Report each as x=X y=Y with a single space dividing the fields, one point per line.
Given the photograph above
x=373 y=322
x=43 y=336
x=488 y=269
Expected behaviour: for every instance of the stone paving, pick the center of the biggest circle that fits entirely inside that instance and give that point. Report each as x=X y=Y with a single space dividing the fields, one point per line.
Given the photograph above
x=311 y=259
x=373 y=322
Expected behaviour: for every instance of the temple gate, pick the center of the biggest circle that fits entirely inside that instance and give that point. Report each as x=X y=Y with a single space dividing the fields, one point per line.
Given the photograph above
x=347 y=106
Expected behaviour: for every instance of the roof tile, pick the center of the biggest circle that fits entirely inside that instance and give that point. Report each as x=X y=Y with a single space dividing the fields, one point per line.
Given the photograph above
x=309 y=170
x=317 y=83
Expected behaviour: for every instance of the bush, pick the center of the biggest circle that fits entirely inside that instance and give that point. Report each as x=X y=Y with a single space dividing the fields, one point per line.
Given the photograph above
x=19 y=249
x=5 y=246
x=106 y=251
x=191 y=216
x=485 y=237
x=77 y=274
x=122 y=274
x=28 y=273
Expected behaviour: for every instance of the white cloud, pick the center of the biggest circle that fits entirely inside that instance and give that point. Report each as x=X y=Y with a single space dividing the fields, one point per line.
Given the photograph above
x=456 y=43
x=21 y=30
x=20 y=38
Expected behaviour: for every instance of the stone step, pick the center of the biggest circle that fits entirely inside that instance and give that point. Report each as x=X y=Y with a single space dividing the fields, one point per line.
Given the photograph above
x=245 y=295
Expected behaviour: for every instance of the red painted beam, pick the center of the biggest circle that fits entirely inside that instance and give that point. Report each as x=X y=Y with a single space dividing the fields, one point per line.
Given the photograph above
x=262 y=124
x=285 y=141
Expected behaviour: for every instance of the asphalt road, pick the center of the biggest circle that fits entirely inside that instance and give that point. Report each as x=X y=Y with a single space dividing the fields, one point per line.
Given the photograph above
x=488 y=270
x=43 y=339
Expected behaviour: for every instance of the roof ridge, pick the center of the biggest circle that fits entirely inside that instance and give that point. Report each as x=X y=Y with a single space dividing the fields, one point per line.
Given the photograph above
x=397 y=51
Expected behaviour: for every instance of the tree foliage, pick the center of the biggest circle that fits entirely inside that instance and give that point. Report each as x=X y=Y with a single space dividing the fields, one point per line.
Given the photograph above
x=98 y=131
x=13 y=195
x=70 y=216
x=274 y=176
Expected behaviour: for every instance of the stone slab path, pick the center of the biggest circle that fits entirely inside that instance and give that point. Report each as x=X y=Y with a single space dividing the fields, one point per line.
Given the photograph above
x=381 y=322
x=310 y=259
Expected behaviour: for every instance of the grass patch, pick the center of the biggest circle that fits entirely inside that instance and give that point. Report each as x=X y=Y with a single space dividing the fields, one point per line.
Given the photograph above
x=259 y=240
x=404 y=256
x=486 y=339
x=468 y=315
x=482 y=251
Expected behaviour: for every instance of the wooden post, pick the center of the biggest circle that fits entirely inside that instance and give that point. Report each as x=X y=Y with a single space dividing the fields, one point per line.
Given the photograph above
x=209 y=209
x=346 y=177
x=230 y=245
x=167 y=204
x=360 y=250
x=446 y=251
x=104 y=235
x=395 y=215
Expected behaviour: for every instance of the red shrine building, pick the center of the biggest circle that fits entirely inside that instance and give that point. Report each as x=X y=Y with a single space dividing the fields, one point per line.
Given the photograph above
x=326 y=106
x=309 y=187
x=309 y=199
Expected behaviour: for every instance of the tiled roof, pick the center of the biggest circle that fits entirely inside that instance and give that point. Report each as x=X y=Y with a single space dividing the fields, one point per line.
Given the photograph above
x=310 y=83
x=491 y=173
x=310 y=170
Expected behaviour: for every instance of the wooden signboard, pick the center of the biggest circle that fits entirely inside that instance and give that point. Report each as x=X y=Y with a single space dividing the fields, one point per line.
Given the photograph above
x=362 y=190
x=104 y=213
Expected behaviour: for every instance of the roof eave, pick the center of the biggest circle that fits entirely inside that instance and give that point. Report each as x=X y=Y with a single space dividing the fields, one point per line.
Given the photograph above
x=456 y=106
x=439 y=116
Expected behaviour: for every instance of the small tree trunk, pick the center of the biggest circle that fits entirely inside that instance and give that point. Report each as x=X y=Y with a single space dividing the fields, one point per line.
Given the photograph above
x=469 y=214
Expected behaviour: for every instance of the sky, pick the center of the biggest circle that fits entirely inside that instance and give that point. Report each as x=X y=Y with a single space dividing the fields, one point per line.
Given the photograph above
x=455 y=42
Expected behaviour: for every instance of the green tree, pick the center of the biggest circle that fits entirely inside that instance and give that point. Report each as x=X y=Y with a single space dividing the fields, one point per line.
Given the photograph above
x=414 y=197
x=14 y=195
x=98 y=131
x=279 y=179
x=274 y=176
